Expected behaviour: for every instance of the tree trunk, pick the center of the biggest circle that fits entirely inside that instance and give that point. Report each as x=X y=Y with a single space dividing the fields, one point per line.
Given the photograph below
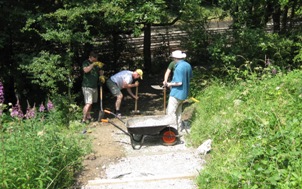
x=147 y=47
x=268 y=12
x=115 y=49
x=276 y=18
x=284 y=20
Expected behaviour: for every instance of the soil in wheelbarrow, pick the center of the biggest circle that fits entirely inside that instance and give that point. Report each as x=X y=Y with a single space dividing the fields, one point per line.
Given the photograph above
x=107 y=149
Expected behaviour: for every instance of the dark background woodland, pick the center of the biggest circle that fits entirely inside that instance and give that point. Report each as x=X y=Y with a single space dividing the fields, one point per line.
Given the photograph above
x=43 y=43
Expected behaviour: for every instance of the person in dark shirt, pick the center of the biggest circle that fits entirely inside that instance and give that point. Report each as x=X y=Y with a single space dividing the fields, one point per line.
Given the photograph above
x=92 y=72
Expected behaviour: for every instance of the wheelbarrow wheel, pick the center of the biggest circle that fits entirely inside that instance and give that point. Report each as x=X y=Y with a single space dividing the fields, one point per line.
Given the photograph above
x=169 y=136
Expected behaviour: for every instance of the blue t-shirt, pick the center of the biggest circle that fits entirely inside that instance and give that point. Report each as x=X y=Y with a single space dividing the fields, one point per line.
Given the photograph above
x=182 y=73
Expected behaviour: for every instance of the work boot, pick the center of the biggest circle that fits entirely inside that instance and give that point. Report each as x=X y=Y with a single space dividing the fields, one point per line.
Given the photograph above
x=119 y=115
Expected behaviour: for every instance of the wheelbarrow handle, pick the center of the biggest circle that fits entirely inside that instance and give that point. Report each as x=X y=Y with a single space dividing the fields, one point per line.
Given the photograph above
x=115 y=125
x=109 y=112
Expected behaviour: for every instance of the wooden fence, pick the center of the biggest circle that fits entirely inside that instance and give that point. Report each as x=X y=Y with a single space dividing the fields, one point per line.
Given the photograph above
x=161 y=36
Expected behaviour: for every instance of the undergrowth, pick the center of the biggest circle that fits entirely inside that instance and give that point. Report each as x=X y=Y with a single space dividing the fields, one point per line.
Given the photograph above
x=38 y=152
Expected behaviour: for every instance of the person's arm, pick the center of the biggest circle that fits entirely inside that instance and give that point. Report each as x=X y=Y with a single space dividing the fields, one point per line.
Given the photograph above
x=88 y=68
x=167 y=74
x=129 y=86
x=131 y=93
x=174 y=84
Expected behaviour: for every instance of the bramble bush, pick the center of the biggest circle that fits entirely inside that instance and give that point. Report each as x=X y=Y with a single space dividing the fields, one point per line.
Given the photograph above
x=36 y=151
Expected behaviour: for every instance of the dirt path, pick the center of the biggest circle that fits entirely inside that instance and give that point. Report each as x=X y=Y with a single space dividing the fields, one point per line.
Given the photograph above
x=110 y=145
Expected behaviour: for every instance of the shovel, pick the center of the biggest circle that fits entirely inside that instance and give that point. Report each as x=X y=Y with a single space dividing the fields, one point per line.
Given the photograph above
x=157 y=87
x=101 y=112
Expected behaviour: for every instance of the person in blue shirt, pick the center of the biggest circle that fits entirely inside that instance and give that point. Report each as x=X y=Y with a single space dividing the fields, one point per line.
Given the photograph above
x=180 y=85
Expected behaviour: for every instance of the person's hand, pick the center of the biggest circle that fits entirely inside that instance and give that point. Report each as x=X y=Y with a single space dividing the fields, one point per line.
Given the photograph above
x=165 y=83
x=102 y=79
x=98 y=64
x=136 y=97
x=136 y=84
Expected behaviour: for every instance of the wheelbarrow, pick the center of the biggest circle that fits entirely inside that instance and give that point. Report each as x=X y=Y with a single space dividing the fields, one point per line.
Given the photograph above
x=140 y=127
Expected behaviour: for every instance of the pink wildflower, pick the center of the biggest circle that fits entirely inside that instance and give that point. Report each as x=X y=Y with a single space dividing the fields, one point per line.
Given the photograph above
x=30 y=112
x=1 y=93
x=41 y=108
x=49 y=105
x=16 y=111
x=267 y=62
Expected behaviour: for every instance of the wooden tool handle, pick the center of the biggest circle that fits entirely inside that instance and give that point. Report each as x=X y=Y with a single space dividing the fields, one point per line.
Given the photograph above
x=101 y=98
x=164 y=90
x=136 y=93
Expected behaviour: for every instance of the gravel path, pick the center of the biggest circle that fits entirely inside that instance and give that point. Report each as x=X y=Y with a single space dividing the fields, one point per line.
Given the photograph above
x=153 y=166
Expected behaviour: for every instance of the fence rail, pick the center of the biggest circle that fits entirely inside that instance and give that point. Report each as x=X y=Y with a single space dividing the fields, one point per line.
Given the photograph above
x=168 y=36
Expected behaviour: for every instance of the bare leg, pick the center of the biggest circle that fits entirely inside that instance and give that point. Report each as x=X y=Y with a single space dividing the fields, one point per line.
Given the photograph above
x=118 y=102
x=88 y=116
x=86 y=111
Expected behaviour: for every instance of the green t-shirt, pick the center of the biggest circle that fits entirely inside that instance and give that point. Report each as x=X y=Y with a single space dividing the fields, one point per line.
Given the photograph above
x=90 y=79
x=172 y=66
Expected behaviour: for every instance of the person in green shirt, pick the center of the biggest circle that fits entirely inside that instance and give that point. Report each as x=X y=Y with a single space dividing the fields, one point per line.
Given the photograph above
x=92 y=72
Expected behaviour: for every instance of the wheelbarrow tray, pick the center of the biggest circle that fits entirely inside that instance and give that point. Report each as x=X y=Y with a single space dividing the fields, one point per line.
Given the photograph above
x=149 y=125
x=139 y=127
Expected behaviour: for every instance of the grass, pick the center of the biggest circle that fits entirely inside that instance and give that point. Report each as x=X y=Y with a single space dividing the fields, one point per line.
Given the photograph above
x=256 y=132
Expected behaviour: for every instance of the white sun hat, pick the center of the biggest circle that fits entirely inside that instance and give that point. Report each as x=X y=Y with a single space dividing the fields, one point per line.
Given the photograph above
x=178 y=54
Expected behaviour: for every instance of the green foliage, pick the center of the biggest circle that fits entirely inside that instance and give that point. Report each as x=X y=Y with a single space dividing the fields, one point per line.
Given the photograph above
x=256 y=129
x=49 y=71
x=64 y=25
x=65 y=111
x=298 y=57
x=39 y=153
x=197 y=38
x=200 y=80
x=250 y=53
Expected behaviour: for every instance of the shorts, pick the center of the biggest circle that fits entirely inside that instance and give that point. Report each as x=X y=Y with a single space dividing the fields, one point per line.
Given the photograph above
x=90 y=95
x=114 y=89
